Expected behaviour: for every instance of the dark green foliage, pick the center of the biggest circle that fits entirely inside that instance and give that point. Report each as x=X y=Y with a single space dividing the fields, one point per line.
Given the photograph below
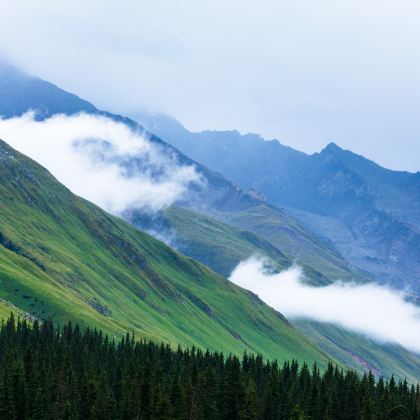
x=69 y=374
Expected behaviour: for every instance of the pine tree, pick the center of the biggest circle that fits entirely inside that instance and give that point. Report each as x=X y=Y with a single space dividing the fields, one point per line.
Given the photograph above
x=250 y=409
x=297 y=413
x=233 y=398
x=208 y=390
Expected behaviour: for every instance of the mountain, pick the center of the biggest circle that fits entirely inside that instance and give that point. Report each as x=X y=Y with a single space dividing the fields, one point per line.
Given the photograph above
x=219 y=225
x=369 y=214
x=221 y=247
x=216 y=244
x=63 y=257
x=360 y=352
x=21 y=92
x=217 y=197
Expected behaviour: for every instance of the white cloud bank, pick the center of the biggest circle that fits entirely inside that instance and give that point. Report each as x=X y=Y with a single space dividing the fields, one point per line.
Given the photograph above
x=89 y=153
x=376 y=311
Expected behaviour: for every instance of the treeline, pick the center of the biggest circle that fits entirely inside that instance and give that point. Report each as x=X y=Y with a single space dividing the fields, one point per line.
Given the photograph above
x=46 y=373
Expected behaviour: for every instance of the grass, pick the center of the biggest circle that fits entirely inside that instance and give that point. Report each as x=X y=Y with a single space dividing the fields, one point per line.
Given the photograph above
x=290 y=237
x=62 y=257
x=6 y=308
x=218 y=245
x=222 y=246
x=357 y=351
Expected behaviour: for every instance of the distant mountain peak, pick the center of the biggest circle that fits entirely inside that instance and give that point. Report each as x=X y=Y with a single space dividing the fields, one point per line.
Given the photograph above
x=20 y=92
x=332 y=147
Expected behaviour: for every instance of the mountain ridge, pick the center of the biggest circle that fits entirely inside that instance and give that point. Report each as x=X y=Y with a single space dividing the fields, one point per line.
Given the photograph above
x=219 y=198
x=127 y=280
x=247 y=213
x=335 y=193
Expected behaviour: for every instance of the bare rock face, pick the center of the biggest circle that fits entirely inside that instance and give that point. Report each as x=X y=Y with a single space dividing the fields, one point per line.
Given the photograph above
x=256 y=194
x=102 y=309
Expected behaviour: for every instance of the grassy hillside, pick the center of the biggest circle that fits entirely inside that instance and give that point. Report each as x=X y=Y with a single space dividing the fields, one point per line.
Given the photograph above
x=216 y=244
x=285 y=233
x=6 y=308
x=222 y=246
x=217 y=197
x=63 y=257
x=223 y=238
x=356 y=351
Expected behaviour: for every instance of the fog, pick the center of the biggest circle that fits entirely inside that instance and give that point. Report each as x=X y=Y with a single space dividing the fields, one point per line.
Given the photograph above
x=375 y=311
x=302 y=71
x=102 y=160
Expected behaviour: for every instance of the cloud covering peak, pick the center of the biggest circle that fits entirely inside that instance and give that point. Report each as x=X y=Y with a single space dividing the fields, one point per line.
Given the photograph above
x=102 y=160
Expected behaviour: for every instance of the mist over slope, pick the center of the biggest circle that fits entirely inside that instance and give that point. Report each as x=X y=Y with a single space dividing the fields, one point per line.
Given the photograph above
x=60 y=256
x=360 y=324
x=215 y=196
x=65 y=258
x=231 y=224
x=370 y=214
x=103 y=160
x=376 y=311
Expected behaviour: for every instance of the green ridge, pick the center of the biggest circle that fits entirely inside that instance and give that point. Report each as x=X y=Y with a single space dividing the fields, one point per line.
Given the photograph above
x=276 y=227
x=63 y=257
x=362 y=353
x=222 y=246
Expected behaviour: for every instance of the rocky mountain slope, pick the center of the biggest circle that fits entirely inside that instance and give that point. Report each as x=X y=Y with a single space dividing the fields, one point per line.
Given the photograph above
x=371 y=215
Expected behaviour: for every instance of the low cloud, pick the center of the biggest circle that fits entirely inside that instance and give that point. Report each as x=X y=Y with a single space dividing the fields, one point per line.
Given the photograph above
x=102 y=160
x=376 y=311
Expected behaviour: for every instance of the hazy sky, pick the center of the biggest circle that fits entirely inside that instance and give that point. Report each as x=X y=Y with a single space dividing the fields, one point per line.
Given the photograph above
x=303 y=71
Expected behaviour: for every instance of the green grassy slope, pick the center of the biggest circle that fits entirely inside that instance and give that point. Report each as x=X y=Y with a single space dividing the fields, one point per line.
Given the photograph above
x=217 y=244
x=222 y=246
x=357 y=351
x=63 y=257
x=285 y=233
x=6 y=308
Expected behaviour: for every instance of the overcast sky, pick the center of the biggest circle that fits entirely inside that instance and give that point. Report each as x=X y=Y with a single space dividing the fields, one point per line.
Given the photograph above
x=305 y=72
